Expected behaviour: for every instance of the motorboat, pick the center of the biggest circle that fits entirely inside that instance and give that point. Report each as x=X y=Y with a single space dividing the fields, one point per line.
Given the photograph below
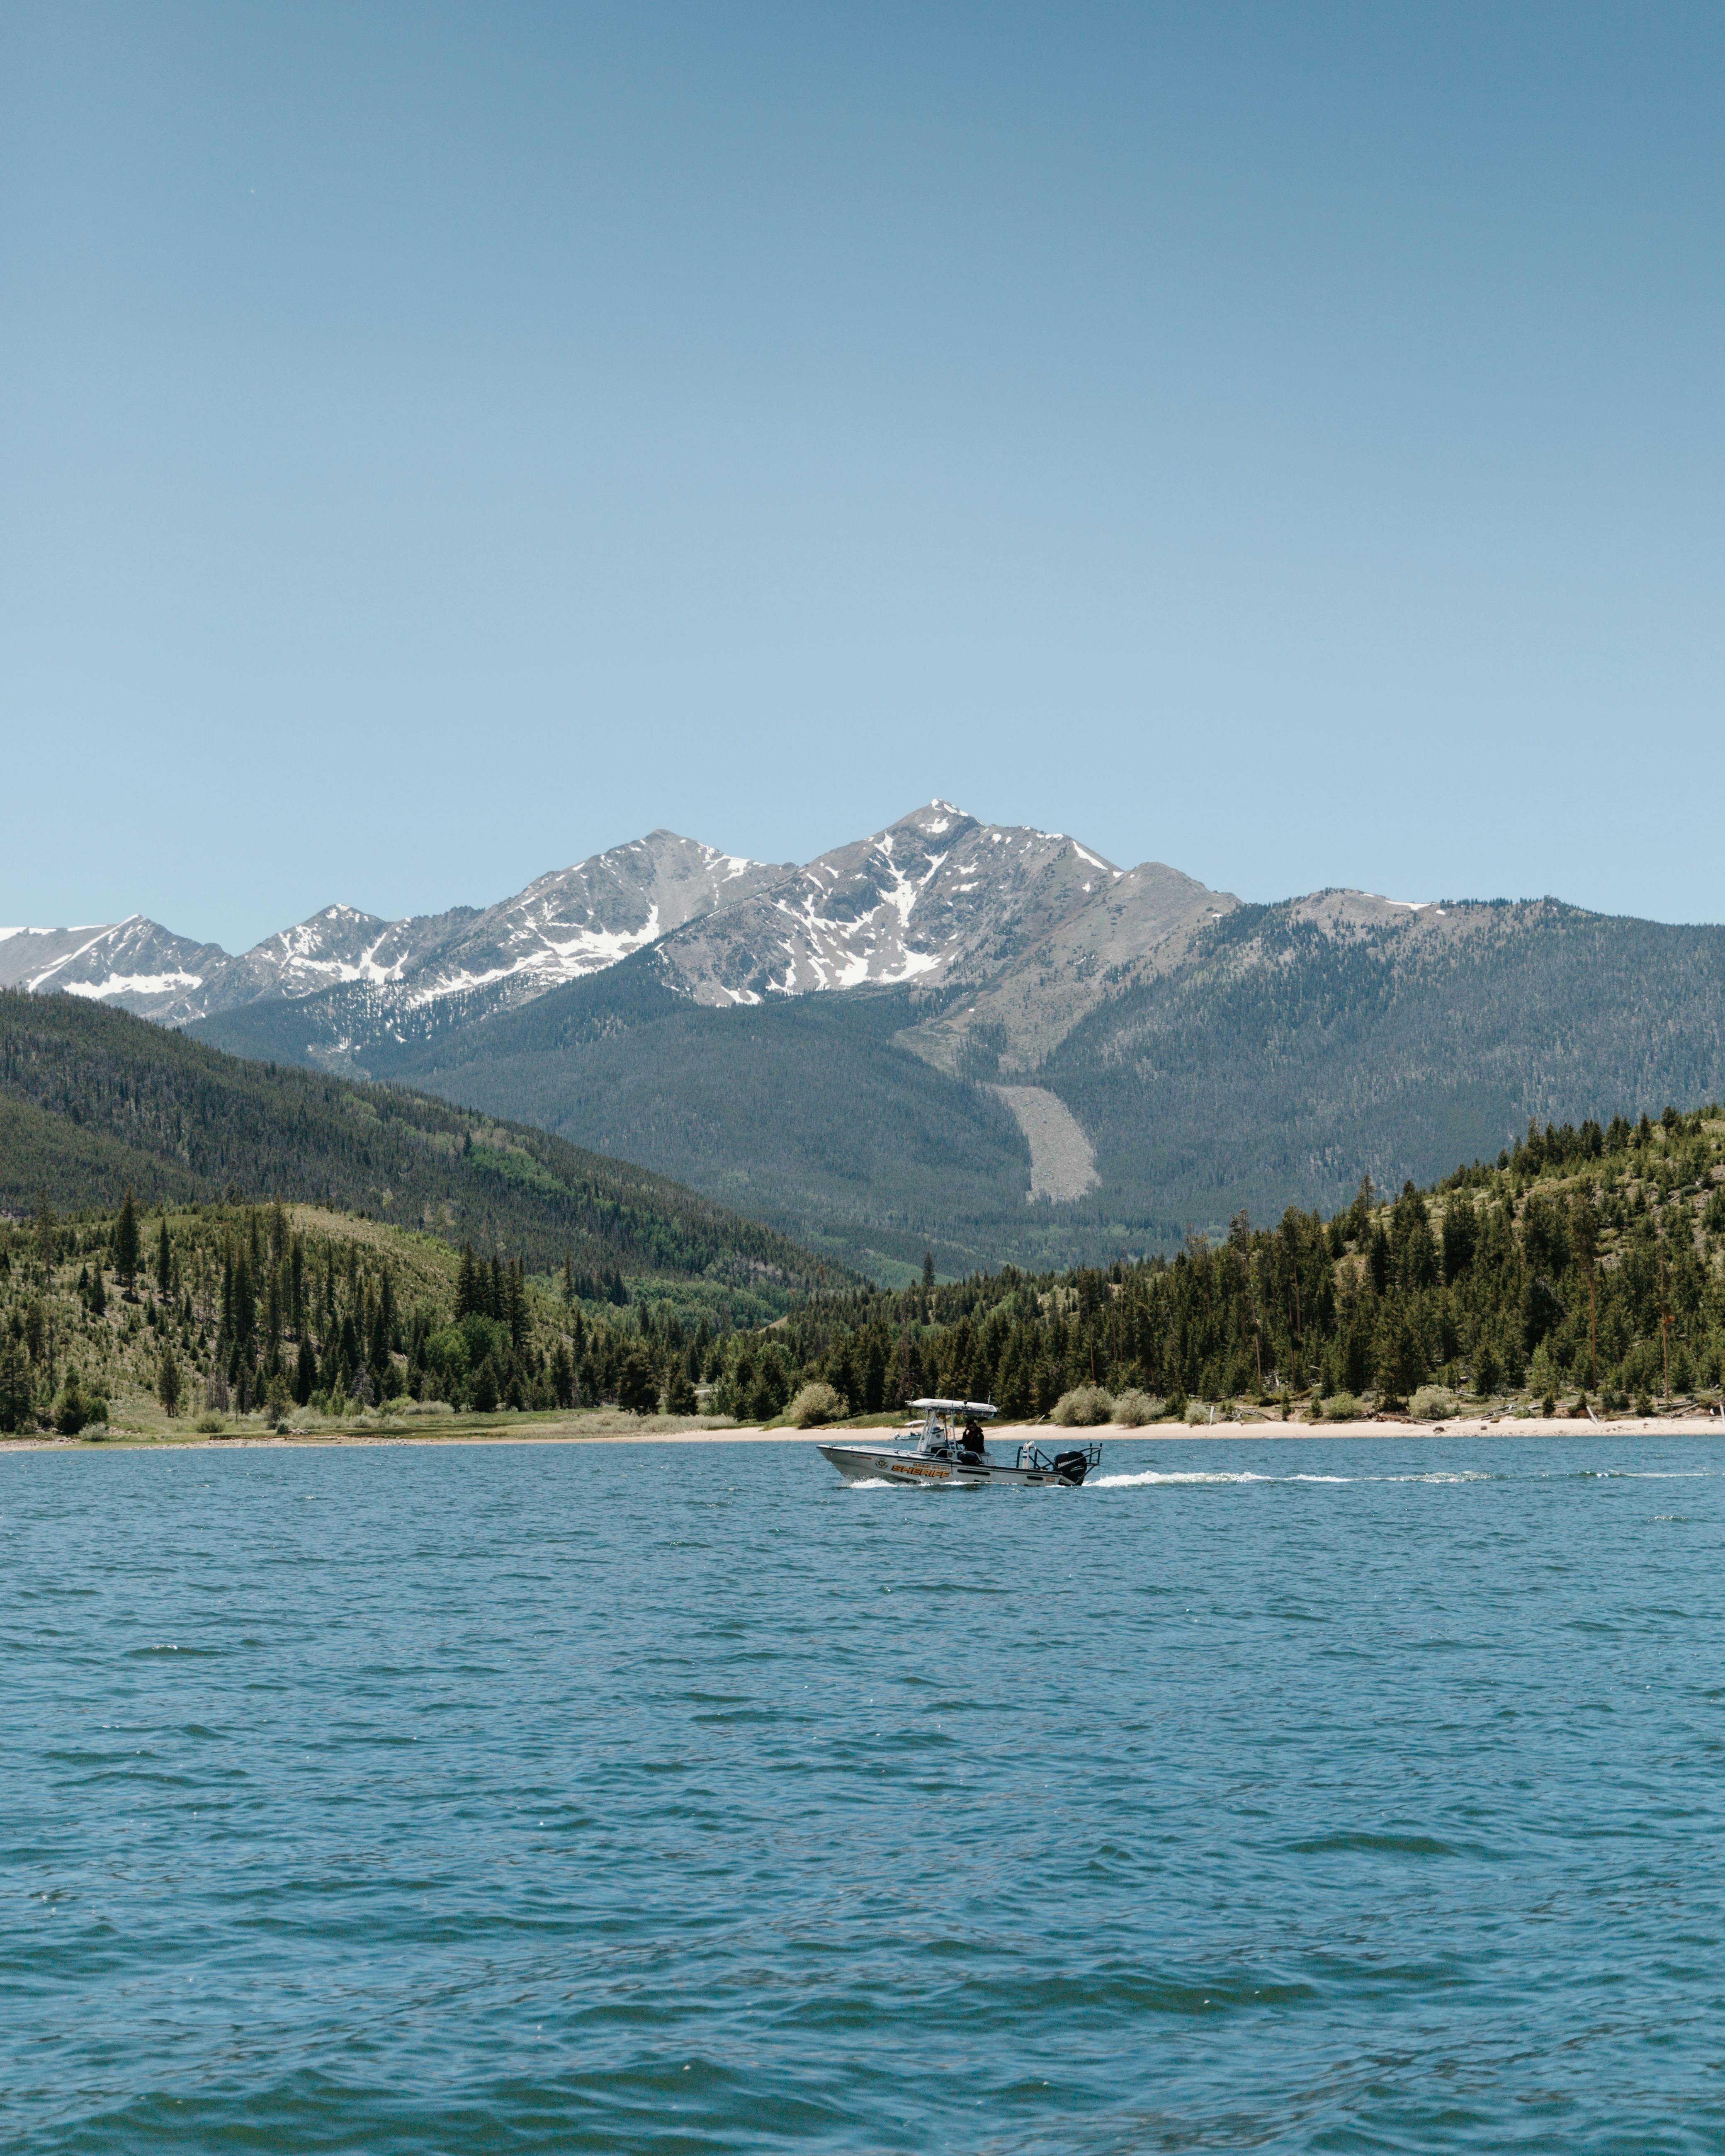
x=944 y=1448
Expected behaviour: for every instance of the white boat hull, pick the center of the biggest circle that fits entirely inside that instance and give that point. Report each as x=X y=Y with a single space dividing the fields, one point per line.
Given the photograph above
x=862 y=1463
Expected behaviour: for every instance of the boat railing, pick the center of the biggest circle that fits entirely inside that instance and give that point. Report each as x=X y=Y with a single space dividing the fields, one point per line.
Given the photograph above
x=1033 y=1456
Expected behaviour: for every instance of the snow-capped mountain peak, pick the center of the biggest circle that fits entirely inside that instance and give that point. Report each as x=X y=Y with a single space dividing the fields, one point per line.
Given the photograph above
x=928 y=899
x=936 y=900
x=135 y=962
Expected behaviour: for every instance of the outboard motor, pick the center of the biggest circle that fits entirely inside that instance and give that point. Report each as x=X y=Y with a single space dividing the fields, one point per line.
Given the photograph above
x=1071 y=1466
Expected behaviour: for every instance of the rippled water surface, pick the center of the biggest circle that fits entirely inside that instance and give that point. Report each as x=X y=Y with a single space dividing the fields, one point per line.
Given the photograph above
x=1320 y=1795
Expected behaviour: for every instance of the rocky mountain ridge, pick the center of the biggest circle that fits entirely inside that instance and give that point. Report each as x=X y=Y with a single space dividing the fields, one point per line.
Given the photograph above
x=1015 y=932
x=564 y=925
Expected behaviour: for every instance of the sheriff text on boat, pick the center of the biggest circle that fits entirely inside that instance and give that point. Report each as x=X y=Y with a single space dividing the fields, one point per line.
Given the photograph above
x=945 y=1450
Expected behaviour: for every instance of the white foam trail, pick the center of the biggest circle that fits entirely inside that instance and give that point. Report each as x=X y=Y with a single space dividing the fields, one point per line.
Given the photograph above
x=1653 y=1474
x=1148 y=1478
x=1453 y=1474
x=1151 y=1478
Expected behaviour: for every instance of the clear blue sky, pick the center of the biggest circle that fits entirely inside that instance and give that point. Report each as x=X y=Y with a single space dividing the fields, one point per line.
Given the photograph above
x=438 y=443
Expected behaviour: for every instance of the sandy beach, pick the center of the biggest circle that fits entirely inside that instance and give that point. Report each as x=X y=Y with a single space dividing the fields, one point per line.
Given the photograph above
x=1003 y=1437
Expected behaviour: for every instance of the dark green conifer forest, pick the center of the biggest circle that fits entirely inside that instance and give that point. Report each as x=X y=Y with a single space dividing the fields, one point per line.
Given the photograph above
x=1585 y=1263
x=94 y=1101
x=298 y=1316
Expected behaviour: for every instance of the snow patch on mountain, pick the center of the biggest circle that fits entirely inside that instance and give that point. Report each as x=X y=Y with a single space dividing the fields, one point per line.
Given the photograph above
x=116 y=986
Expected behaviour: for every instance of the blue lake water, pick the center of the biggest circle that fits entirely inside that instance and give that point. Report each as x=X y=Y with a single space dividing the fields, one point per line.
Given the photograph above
x=1317 y=1794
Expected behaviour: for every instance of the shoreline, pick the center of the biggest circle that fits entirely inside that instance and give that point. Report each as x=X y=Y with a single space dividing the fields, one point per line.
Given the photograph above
x=1009 y=1435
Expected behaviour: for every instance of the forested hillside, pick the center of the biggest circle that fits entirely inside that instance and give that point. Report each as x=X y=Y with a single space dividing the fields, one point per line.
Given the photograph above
x=92 y=1101
x=1293 y=1051
x=1585 y=1261
x=808 y=1112
x=300 y=1317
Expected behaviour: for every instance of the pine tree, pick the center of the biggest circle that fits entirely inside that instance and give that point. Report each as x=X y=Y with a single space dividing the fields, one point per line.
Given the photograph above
x=15 y=1394
x=71 y=1410
x=1460 y=1235
x=348 y=1348
x=378 y=1343
x=167 y=1383
x=164 y=1259
x=126 y=1245
x=637 y=1387
x=244 y=1319
x=562 y=1375
x=1584 y=1232
x=1398 y=1365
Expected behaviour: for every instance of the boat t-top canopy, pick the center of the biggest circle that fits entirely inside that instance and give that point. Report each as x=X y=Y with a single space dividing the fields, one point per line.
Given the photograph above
x=959 y=1407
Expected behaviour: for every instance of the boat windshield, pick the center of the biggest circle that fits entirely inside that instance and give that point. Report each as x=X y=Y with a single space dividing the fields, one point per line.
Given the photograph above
x=943 y=1421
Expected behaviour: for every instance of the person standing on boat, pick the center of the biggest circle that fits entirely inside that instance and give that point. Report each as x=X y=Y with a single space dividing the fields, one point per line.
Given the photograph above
x=971 y=1438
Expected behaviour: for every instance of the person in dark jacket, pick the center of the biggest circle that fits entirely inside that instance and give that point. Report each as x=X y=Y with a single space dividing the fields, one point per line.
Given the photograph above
x=971 y=1438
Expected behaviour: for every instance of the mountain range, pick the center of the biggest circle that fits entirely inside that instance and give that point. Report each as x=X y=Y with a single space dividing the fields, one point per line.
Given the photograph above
x=563 y=925
x=986 y=1039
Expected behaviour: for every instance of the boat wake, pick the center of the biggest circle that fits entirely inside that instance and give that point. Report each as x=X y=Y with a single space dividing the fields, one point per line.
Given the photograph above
x=1151 y=1477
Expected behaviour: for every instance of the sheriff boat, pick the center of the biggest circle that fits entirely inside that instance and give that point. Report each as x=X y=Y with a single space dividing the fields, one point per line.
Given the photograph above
x=945 y=1450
